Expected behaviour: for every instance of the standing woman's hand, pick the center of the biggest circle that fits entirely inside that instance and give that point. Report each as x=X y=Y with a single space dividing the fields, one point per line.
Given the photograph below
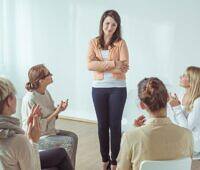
x=125 y=67
x=121 y=65
x=118 y=64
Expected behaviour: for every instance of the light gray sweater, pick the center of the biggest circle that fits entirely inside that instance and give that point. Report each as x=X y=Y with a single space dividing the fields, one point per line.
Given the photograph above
x=47 y=108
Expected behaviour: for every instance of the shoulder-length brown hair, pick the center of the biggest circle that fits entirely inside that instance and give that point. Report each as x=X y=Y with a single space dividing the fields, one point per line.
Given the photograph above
x=117 y=34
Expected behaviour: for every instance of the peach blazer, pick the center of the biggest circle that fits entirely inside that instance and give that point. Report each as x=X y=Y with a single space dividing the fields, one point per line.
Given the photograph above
x=96 y=63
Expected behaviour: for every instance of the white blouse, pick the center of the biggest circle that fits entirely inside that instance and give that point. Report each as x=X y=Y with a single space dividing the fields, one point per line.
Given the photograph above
x=190 y=120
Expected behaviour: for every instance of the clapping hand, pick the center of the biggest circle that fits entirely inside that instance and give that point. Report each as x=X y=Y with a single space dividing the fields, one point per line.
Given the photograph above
x=173 y=100
x=35 y=111
x=34 y=130
x=139 y=121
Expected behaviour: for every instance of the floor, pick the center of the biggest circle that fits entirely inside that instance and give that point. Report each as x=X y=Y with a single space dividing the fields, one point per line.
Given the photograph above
x=88 y=157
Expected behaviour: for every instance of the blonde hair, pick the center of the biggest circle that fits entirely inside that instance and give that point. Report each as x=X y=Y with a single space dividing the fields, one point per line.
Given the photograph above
x=6 y=88
x=193 y=74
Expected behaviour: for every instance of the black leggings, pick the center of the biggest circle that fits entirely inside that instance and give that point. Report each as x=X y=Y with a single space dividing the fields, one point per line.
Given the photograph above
x=56 y=157
x=109 y=105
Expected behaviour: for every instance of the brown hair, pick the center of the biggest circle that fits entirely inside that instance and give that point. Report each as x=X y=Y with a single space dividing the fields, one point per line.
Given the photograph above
x=117 y=34
x=193 y=74
x=6 y=90
x=35 y=74
x=153 y=93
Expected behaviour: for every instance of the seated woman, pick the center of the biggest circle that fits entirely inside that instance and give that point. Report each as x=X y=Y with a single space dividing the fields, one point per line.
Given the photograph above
x=39 y=79
x=187 y=111
x=159 y=138
x=18 y=151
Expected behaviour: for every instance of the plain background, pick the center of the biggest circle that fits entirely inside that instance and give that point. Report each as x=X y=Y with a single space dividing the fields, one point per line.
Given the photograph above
x=163 y=37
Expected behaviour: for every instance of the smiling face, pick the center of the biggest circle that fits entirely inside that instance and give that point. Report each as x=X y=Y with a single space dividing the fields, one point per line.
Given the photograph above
x=109 y=29
x=109 y=26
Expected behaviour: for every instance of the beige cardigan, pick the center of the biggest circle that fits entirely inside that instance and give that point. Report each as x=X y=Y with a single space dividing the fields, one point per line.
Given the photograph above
x=17 y=153
x=159 y=139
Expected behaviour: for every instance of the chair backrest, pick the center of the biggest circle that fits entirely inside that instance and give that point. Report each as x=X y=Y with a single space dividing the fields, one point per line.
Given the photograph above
x=196 y=157
x=179 y=164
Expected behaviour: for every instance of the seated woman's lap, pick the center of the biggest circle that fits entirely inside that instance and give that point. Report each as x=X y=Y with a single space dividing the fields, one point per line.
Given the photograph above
x=56 y=157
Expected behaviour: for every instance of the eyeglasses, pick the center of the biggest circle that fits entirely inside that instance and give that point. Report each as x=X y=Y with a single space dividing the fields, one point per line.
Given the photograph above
x=47 y=75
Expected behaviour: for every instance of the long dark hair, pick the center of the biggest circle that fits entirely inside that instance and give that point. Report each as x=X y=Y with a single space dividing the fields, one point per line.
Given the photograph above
x=117 y=34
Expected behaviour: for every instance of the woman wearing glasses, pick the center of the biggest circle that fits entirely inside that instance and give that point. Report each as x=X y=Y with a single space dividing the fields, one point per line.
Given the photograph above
x=39 y=79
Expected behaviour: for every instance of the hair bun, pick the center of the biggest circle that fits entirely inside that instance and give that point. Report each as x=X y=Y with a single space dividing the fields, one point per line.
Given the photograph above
x=153 y=93
x=152 y=86
x=29 y=86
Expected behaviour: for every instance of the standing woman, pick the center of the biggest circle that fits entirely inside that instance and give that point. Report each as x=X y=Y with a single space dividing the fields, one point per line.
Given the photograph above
x=108 y=59
x=187 y=111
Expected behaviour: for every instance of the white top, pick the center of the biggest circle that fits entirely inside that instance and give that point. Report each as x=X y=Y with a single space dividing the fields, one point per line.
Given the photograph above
x=47 y=108
x=190 y=121
x=17 y=153
x=108 y=81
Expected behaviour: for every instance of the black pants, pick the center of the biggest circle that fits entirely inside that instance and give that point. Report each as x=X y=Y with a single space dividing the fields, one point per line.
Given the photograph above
x=109 y=105
x=56 y=157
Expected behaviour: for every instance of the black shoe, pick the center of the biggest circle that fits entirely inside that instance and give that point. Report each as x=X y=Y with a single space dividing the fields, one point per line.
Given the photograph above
x=108 y=167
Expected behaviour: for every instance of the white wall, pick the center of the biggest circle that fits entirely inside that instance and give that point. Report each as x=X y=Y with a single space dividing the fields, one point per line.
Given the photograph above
x=163 y=39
